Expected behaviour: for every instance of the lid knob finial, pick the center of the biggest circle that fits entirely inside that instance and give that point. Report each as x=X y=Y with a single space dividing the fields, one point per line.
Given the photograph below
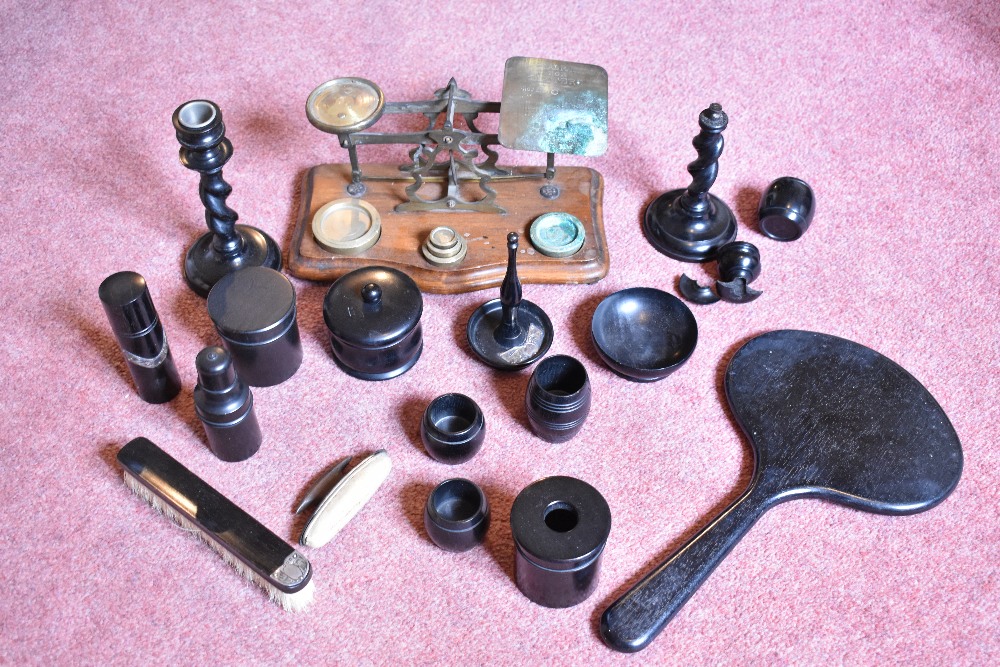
x=371 y=293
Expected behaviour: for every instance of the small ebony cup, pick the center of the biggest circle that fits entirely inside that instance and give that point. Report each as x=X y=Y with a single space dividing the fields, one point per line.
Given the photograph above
x=453 y=428
x=457 y=515
x=558 y=398
x=786 y=209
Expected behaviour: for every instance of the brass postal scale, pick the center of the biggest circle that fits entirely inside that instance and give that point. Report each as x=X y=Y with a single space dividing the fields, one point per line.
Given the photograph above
x=443 y=216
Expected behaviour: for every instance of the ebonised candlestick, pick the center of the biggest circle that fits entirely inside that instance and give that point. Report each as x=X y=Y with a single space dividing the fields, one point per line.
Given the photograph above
x=691 y=224
x=228 y=246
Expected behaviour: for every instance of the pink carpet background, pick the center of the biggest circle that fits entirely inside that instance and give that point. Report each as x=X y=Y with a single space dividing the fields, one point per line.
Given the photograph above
x=888 y=109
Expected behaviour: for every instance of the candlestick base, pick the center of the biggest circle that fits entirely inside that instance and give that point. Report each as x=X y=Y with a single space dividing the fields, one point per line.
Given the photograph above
x=204 y=265
x=689 y=237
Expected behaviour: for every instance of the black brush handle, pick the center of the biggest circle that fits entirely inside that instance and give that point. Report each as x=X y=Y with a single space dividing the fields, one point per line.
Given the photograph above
x=222 y=520
x=634 y=619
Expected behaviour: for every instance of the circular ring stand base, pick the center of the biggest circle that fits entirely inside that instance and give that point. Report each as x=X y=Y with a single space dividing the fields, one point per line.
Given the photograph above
x=671 y=231
x=203 y=266
x=532 y=320
x=347 y=226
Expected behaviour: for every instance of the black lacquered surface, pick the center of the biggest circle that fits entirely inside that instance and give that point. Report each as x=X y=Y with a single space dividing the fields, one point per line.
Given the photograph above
x=373 y=316
x=457 y=515
x=221 y=520
x=826 y=418
x=560 y=527
x=252 y=305
x=786 y=209
x=644 y=333
x=364 y=317
x=137 y=327
x=453 y=428
x=254 y=312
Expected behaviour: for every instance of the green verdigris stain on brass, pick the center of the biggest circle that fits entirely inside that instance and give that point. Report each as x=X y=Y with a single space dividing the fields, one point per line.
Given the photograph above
x=557 y=234
x=575 y=129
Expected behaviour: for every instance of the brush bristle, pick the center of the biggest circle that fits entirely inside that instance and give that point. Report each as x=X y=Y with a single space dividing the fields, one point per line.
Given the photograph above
x=291 y=601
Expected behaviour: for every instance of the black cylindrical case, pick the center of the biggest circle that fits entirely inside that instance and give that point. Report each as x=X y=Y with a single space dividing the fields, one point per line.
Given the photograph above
x=557 y=399
x=224 y=404
x=560 y=526
x=254 y=312
x=129 y=307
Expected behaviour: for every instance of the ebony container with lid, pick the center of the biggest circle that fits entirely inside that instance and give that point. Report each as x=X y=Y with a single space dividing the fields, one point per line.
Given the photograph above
x=129 y=307
x=560 y=527
x=373 y=315
x=254 y=312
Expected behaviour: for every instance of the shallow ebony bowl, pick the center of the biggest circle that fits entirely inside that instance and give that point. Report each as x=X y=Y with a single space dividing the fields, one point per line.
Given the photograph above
x=644 y=334
x=457 y=515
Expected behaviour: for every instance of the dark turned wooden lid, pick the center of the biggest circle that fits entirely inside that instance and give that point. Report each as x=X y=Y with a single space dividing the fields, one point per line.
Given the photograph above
x=534 y=522
x=372 y=307
x=253 y=305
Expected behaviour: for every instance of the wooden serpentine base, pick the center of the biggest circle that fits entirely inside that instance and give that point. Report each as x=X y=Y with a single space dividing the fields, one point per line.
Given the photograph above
x=581 y=194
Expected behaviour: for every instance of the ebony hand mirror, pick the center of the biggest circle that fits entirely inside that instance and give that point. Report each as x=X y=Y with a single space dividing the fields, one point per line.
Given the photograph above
x=826 y=418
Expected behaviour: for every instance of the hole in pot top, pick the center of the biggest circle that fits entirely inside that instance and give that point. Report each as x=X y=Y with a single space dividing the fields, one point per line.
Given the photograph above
x=561 y=517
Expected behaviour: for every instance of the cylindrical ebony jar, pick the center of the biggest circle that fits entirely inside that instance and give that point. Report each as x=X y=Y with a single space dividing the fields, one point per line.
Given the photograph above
x=137 y=327
x=373 y=315
x=254 y=312
x=560 y=526
x=558 y=398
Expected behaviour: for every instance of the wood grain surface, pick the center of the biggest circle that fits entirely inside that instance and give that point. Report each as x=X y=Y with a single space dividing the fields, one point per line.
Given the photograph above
x=582 y=191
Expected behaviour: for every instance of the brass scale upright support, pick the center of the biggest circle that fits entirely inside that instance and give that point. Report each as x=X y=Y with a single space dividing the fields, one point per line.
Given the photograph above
x=353 y=105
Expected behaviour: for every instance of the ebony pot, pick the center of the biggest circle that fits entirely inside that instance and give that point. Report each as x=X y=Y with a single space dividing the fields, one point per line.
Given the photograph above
x=373 y=315
x=558 y=398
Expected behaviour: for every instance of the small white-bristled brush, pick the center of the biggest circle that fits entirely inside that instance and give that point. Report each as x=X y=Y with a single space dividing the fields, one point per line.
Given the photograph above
x=245 y=543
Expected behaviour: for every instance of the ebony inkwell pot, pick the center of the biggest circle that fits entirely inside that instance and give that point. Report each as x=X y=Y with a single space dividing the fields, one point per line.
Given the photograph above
x=373 y=315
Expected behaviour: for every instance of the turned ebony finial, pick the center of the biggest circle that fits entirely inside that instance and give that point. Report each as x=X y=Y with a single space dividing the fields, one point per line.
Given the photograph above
x=691 y=224
x=510 y=333
x=228 y=246
x=739 y=265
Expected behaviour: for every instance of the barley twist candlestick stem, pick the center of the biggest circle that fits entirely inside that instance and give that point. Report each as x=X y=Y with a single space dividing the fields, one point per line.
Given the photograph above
x=692 y=224
x=228 y=246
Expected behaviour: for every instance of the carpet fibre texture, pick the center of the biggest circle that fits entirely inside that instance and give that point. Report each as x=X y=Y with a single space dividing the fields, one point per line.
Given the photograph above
x=889 y=109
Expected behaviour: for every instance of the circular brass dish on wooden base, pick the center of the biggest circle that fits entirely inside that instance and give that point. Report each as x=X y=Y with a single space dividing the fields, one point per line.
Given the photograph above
x=347 y=226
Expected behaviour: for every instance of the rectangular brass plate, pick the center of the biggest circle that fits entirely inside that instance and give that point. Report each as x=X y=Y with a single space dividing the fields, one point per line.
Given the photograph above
x=554 y=106
x=582 y=191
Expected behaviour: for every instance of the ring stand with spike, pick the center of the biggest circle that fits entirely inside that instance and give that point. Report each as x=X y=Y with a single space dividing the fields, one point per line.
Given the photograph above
x=510 y=333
